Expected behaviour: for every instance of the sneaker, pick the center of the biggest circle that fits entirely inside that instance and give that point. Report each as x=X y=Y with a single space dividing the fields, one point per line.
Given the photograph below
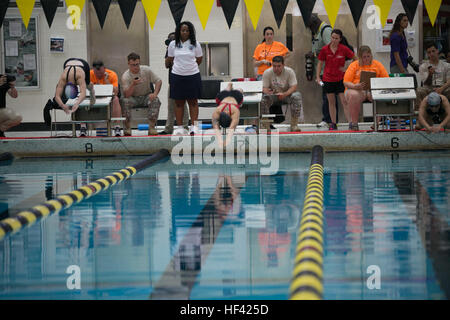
x=350 y=126
x=117 y=131
x=180 y=131
x=355 y=127
x=332 y=127
x=2 y=134
x=194 y=130
x=83 y=132
x=322 y=124
x=165 y=132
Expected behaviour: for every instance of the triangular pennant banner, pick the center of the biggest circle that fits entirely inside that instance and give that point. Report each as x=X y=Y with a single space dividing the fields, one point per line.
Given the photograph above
x=279 y=8
x=432 y=9
x=203 y=9
x=229 y=10
x=3 y=8
x=306 y=7
x=410 y=7
x=49 y=7
x=177 y=8
x=101 y=8
x=127 y=8
x=254 y=8
x=356 y=8
x=151 y=8
x=75 y=7
x=25 y=8
x=332 y=9
x=385 y=7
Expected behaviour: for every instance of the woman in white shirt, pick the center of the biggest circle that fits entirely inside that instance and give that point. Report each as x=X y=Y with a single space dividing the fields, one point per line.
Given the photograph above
x=184 y=55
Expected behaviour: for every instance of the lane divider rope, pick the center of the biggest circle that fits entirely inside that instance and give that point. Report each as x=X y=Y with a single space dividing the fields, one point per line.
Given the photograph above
x=307 y=276
x=29 y=217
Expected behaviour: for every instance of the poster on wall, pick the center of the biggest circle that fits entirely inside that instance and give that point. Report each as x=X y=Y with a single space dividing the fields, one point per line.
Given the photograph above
x=383 y=42
x=57 y=45
x=20 y=54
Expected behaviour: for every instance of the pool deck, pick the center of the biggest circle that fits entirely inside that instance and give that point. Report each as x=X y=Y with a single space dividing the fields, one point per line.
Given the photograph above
x=40 y=144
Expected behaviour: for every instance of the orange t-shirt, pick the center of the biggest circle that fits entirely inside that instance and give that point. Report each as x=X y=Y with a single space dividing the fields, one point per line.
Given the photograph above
x=353 y=73
x=110 y=78
x=264 y=51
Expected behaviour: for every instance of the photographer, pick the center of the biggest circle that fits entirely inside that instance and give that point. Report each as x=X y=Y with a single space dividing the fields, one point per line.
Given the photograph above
x=434 y=75
x=8 y=118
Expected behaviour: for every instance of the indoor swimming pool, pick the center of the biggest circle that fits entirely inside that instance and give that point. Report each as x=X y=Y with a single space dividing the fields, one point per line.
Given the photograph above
x=226 y=231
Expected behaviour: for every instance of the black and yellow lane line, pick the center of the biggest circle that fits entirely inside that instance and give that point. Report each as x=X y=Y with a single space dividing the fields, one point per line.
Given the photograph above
x=28 y=217
x=307 y=277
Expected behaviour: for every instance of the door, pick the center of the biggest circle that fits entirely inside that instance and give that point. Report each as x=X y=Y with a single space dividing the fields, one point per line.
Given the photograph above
x=114 y=42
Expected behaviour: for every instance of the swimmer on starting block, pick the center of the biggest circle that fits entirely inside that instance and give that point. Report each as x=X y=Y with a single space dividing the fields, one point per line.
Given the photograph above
x=76 y=72
x=227 y=112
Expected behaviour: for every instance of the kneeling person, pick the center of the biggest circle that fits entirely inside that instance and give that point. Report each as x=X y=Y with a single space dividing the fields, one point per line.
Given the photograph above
x=280 y=84
x=227 y=112
x=434 y=113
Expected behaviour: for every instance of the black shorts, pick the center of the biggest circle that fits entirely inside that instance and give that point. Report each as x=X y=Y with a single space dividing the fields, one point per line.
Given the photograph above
x=86 y=69
x=334 y=87
x=236 y=94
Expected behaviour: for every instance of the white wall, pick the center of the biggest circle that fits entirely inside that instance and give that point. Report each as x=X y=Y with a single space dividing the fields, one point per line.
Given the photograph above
x=216 y=31
x=31 y=102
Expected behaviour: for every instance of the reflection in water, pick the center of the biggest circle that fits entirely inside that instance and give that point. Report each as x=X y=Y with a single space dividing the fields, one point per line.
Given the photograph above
x=198 y=233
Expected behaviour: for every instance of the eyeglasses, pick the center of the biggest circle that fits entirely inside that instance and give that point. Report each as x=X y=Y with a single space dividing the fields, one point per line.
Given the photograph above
x=134 y=64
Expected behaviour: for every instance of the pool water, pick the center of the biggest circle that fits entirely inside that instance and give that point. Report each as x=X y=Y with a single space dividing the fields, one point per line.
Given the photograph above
x=228 y=232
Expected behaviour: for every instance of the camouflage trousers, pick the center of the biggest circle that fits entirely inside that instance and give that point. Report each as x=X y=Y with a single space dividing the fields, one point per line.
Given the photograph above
x=294 y=102
x=140 y=101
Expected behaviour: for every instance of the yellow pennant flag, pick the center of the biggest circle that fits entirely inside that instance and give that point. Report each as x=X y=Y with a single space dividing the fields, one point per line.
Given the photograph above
x=432 y=9
x=254 y=8
x=203 y=9
x=151 y=8
x=385 y=7
x=332 y=9
x=25 y=8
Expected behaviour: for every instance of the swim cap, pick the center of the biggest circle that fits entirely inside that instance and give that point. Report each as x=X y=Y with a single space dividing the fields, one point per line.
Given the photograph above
x=434 y=99
x=224 y=120
x=71 y=91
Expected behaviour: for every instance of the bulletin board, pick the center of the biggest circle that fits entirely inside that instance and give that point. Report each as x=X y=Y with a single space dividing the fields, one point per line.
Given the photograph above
x=20 y=51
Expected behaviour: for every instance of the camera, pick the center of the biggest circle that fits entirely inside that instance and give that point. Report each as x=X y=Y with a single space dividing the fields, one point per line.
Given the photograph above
x=413 y=65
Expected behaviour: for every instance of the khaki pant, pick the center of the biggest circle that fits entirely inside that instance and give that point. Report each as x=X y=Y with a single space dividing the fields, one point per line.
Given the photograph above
x=8 y=119
x=140 y=101
x=294 y=102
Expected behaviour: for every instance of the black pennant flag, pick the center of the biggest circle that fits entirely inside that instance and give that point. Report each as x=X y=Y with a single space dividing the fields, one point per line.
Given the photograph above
x=229 y=10
x=279 y=8
x=127 y=9
x=49 y=7
x=410 y=7
x=3 y=8
x=306 y=7
x=101 y=8
x=177 y=8
x=356 y=7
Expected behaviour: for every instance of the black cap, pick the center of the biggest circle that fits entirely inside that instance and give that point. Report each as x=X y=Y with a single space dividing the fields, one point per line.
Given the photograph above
x=97 y=64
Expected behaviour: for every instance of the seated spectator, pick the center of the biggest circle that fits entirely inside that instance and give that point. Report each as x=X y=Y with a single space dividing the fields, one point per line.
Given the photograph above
x=356 y=92
x=434 y=113
x=8 y=118
x=227 y=112
x=434 y=74
x=101 y=75
x=136 y=88
x=280 y=84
